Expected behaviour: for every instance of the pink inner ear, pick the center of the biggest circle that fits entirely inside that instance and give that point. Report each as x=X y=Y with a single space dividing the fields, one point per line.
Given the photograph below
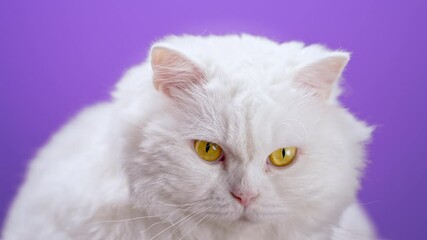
x=173 y=70
x=321 y=75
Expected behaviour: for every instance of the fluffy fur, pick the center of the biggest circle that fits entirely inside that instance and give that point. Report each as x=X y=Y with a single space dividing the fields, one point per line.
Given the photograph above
x=126 y=169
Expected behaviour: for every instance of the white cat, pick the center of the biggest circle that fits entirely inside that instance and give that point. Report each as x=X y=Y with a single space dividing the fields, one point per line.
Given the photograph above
x=239 y=138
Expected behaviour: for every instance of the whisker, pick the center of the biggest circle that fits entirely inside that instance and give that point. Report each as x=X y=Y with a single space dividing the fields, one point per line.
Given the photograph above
x=189 y=216
x=152 y=225
x=193 y=227
x=174 y=205
x=129 y=219
x=165 y=220
x=153 y=216
x=176 y=228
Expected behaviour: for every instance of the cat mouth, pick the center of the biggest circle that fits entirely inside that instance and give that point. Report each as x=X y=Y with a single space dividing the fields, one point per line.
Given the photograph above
x=245 y=218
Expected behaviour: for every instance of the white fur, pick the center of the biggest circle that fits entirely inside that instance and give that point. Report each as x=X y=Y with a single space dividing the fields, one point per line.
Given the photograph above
x=126 y=169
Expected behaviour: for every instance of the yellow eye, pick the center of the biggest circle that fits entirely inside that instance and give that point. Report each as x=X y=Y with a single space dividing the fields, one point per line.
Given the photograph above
x=207 y=151
x=283 y=156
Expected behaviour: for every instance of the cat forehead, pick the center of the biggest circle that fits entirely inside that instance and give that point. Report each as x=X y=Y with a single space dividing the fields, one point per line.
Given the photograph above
x=231 y=128
x=247 y=123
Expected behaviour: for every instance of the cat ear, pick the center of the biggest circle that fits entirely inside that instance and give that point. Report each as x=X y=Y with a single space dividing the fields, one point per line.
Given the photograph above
x=173 y=71
x=321 y=75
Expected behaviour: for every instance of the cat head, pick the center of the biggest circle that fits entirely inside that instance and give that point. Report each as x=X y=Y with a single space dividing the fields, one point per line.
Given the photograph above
x=221 y=107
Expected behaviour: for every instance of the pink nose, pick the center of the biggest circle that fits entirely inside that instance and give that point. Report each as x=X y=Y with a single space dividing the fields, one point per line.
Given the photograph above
x=244 y=198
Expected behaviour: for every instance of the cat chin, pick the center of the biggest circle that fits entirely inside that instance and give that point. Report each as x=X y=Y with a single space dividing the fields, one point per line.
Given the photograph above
x=241 y=220
x=248 y=217
x=249 y=221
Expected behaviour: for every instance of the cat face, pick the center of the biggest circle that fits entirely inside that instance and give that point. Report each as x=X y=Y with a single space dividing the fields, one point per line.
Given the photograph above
x=248 y=122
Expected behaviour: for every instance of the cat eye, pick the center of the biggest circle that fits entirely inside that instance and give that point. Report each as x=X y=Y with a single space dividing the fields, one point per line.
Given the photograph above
x=283 y=156
x=207 y=151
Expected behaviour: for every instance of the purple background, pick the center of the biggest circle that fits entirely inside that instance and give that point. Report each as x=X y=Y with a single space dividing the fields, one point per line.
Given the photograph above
x=58 y=56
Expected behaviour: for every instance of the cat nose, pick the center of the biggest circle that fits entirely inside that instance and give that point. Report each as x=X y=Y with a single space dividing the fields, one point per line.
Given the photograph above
x=244 y=198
